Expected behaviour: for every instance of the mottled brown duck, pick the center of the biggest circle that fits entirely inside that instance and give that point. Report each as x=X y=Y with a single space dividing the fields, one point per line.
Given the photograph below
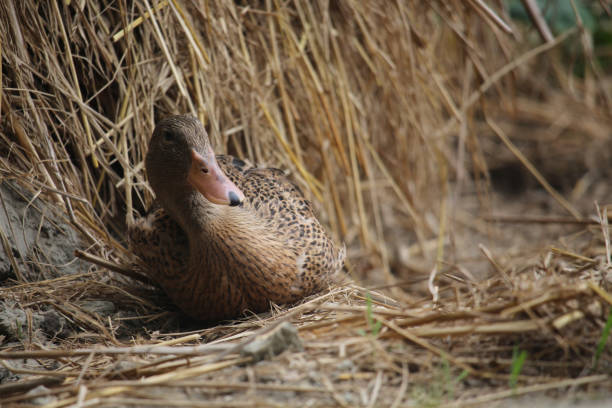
x=223 y=237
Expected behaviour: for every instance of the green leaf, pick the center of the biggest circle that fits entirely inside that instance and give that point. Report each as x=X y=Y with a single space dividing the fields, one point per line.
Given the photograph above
x=558 y=14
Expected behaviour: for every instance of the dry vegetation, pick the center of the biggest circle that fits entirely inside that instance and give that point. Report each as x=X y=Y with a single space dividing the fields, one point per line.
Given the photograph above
x=401 y=120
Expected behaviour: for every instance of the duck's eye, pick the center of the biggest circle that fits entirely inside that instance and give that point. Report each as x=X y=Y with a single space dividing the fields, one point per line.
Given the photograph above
x=168 y=136
x=204 y=170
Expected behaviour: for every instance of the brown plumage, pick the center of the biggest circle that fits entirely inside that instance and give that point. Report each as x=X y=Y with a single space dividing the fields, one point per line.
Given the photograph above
x=224 y=237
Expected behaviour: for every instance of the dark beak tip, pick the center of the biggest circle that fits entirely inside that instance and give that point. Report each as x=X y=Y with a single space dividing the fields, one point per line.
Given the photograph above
x=234 y=199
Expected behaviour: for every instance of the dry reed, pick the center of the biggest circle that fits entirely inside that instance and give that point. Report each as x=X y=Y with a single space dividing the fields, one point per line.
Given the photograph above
x=385 y=113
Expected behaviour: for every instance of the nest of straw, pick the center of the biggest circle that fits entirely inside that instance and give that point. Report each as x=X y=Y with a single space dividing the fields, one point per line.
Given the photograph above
x=390 y=116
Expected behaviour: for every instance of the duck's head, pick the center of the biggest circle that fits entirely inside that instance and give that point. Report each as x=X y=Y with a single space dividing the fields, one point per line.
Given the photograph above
x=180 y=158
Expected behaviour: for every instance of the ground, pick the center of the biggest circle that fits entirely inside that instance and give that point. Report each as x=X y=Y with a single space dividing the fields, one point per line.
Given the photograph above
x=343 y=356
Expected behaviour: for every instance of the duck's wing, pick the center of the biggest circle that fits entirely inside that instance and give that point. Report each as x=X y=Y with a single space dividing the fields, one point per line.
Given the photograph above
x=234 y=168
x=160 y=245
x=267 y=190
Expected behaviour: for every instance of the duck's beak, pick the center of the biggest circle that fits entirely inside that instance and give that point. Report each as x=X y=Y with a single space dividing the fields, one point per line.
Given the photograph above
x=206 y=176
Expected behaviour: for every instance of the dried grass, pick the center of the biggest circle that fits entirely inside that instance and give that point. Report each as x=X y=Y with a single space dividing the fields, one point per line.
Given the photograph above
x=381 y=111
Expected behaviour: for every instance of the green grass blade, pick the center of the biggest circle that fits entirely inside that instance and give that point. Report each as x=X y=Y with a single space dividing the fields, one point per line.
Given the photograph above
x=602 y=340
x=518 y=360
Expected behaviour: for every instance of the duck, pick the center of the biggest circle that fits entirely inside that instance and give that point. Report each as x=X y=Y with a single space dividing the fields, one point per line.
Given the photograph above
x=224 y=238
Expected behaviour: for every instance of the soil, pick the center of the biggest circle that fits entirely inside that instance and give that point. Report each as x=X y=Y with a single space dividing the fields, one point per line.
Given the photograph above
x=36 y=236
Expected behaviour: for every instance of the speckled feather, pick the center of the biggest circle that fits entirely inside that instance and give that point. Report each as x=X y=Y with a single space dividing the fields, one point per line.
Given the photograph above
x=270 y=249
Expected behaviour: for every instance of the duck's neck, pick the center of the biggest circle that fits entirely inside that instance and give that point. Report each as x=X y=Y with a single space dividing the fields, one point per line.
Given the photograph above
x=208 y=224
x=219 y=233
x=230 y=251
x=196 y=215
